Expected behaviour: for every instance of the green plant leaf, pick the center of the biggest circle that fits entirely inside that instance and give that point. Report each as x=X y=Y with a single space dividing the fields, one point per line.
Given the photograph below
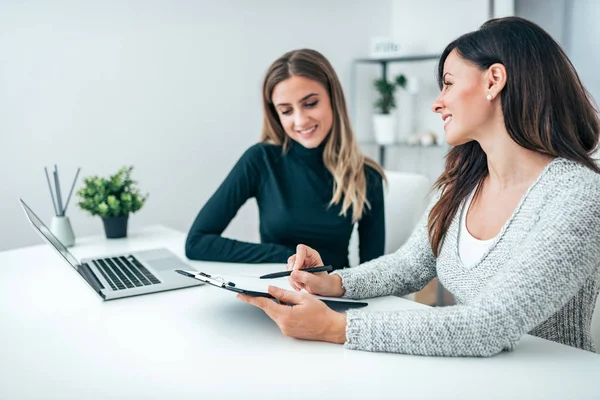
x=111 y=197
x=386 y=101
x=401 y=81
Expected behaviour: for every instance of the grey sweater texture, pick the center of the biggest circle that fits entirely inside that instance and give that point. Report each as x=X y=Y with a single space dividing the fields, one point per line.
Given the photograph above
x=541 y=276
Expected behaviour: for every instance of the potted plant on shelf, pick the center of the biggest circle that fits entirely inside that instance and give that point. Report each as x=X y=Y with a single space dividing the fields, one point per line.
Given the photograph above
x=112 y=199
x=383 y=121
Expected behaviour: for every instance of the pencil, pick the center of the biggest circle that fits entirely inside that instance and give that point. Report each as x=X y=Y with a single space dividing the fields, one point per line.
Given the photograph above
x=71 y=191
x=51 y=193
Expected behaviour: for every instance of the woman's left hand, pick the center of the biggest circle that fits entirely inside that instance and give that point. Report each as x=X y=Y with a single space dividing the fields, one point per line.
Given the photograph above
x=308 y=317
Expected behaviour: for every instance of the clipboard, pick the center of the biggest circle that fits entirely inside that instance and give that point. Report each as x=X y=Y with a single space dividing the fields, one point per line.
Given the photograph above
x=333 y=303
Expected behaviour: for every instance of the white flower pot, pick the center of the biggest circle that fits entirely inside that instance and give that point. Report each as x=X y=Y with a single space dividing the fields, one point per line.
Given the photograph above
x=384 y=126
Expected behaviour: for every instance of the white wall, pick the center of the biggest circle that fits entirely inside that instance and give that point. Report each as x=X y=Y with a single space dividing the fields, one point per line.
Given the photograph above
x=549 y=14
x=426 y=28
x=171 y=87
x=584 y=43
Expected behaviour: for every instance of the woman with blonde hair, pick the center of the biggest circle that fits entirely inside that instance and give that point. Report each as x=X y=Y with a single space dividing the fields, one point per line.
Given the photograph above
x=310 y=180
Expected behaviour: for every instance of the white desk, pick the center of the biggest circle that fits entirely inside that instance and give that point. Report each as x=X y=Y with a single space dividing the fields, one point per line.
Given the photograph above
x=203 y=343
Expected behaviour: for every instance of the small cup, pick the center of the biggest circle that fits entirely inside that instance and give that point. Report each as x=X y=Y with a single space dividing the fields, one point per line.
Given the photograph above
x=61 y=228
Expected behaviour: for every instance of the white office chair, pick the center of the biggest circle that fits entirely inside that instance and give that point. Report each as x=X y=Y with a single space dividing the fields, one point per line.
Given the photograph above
x=406 y=198
x=405 y=202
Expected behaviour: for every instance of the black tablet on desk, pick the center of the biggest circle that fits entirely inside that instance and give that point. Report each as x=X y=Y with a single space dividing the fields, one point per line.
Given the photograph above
x=256 y=287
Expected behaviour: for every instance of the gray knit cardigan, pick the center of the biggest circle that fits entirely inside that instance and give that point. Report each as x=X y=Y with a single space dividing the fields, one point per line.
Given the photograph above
x=541 y=276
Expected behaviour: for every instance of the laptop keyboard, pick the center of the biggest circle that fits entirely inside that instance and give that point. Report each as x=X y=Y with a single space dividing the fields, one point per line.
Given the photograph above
x=124 y=272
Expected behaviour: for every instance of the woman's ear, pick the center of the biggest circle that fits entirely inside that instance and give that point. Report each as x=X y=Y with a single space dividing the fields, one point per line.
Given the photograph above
x=495 y=80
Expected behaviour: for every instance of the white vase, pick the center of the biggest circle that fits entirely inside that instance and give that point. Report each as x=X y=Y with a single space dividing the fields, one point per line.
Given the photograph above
x=384 y=126
x=406 y=126
x=61 y=228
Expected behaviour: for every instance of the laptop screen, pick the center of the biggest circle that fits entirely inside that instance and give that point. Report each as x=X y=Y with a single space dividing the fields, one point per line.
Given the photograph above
x=45 y=232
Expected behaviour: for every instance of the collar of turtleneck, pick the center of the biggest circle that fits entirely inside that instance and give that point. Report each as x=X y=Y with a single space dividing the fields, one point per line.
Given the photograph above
x=311 y=155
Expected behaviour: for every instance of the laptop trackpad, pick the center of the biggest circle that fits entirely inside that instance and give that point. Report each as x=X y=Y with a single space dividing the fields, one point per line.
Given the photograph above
x=161 y=259
x=168 y=264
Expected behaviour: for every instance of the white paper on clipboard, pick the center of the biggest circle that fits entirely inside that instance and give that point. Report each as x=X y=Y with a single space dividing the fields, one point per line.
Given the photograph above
x=257 y=286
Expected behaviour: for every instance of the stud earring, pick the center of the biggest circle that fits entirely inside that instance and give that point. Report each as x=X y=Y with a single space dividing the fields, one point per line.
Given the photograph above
x=489 y=96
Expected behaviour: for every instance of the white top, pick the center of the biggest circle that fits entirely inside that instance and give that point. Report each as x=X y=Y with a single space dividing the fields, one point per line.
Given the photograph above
x=470 y=249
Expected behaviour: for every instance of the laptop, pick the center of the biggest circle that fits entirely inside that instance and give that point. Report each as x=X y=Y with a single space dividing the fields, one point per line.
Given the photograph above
x=121 y=275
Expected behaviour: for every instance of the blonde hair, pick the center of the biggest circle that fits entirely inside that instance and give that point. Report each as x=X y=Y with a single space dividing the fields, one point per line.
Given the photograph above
x=341 y=155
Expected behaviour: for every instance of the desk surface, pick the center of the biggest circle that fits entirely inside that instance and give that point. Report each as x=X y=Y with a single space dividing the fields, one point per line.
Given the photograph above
x=59 y=340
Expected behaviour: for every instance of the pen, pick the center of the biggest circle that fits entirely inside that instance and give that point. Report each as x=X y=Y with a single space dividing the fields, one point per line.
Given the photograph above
x=326 y=268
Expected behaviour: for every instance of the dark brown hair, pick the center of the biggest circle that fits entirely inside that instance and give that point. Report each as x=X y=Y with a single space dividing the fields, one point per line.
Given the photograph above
x=341 y=155
x=546 y=109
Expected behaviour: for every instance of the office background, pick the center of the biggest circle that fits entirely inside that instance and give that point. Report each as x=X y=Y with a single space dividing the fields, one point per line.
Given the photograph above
x=173 y=87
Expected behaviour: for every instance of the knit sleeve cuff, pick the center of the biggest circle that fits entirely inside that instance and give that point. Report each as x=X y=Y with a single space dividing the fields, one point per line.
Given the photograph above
x=356 y=328
x=347 y=281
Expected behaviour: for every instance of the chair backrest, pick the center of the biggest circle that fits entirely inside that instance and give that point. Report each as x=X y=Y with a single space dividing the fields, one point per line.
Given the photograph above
x=406 y=198
x=405 y=202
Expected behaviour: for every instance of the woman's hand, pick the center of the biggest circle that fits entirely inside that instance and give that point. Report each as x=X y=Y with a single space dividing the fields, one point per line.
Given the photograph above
x=309 y=318
x=320 y=283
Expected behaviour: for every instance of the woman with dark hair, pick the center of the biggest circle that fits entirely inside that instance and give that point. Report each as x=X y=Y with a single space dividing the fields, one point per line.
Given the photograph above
x=513 y=231
x=310 y=180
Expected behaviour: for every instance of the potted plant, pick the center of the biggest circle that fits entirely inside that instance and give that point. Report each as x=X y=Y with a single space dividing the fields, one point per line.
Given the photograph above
x=113 y=199
x=383 y=121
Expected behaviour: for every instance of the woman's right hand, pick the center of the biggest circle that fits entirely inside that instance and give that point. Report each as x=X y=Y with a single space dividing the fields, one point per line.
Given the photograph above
x=320 y=283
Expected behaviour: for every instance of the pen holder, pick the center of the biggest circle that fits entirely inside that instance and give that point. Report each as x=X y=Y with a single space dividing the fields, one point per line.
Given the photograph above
x=61 y=228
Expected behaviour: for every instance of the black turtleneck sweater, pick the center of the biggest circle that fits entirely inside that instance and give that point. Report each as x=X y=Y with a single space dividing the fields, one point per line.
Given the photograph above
x=293 y=192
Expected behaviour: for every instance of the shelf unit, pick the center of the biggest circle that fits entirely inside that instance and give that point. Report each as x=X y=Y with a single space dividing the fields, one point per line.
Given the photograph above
x=404 y=144
x=383 y=62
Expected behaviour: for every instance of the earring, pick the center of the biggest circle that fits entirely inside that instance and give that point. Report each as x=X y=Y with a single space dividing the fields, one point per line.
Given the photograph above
x=489 y=96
